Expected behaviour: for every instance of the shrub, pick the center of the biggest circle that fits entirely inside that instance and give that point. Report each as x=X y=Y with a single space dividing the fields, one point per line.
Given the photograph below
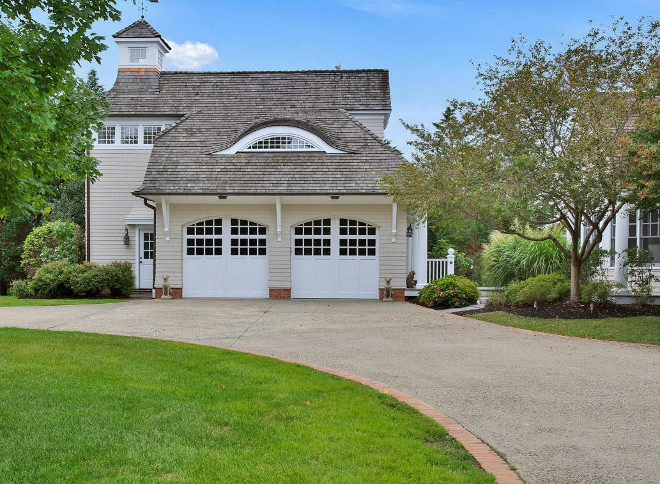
x=599 y=292
x=496 y=300
x=87 y=280
x=52 y=280
x=52 y=242
x=543 y=289
x=20 y=288
x=119 y=277
x=450 y=292
x=509 y=258
x=639 y=272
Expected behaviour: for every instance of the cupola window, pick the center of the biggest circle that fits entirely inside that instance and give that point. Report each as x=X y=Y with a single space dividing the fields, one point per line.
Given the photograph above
x=138 y=55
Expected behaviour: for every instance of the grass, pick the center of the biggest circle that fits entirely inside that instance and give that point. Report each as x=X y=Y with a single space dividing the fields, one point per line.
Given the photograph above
x=86 y=407
x=11 y=301
x=634 y=329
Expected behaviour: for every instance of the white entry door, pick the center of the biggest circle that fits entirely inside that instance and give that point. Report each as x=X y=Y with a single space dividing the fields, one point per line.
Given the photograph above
x=225 y=257
x=146 y=259
x=334 y=258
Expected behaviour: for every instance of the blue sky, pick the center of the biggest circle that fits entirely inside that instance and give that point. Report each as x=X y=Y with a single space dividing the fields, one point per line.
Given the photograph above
x=427 y=45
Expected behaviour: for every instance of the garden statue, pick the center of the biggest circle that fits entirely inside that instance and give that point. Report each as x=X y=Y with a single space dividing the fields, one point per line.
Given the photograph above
x=388 y=289
x=411 y=282
x=167 y=289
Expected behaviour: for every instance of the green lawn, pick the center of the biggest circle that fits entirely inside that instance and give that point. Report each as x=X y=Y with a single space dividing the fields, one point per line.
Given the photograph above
x=7 y=301
x=86 y=407
x=638 y=329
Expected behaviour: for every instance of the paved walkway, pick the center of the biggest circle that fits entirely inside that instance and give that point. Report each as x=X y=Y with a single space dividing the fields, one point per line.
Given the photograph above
x=559 y=409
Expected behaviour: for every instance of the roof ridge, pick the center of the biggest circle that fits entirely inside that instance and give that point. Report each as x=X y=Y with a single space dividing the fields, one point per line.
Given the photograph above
x=311 y=71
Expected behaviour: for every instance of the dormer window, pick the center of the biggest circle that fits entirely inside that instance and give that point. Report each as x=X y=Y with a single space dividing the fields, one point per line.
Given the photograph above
x=137 y=55
x=277 y=143
x=279 y=138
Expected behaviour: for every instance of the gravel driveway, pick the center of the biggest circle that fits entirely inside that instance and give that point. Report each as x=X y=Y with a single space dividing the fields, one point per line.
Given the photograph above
x=558 y=409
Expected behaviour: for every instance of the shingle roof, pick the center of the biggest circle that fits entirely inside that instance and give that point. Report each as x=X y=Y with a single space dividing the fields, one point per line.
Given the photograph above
x=139 y=30
x=221 y=107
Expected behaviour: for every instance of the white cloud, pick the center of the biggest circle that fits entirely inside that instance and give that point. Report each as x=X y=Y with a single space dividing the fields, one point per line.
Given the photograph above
x=389 y=8
x=191 y=55
x=380 y=7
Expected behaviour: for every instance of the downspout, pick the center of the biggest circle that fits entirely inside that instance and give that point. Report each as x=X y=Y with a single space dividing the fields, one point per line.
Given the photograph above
x=153 y=277
x=88 y=248
x=88 y=218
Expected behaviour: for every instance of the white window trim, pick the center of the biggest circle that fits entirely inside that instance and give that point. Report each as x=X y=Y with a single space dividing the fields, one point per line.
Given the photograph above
x=638 y=235
x=242 y=144
x=140 y=124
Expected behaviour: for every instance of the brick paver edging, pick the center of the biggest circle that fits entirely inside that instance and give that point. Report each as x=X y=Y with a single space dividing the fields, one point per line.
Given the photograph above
x=484 y=455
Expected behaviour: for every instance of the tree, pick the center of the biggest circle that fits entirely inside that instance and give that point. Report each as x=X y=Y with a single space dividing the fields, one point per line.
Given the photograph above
x=45 y=111
x=644 y=144
x=67 y=202
x=543 y=144
x=13 y=231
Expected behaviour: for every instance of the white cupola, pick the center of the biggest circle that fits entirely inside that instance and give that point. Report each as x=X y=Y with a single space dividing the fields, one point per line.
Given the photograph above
x=141 y=48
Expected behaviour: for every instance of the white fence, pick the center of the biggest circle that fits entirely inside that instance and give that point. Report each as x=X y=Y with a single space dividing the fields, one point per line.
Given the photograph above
x=437 y=268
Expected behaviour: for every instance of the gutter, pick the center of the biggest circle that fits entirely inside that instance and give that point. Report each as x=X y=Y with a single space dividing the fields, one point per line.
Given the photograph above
x=153 y=277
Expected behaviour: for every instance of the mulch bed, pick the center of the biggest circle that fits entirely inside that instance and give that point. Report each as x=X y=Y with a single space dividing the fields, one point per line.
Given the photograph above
x=570 y=310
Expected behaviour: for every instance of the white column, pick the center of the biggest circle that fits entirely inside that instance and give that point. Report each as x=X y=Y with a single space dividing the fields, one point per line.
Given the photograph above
x=422 y=251
x=413 y=250
x=620 y=244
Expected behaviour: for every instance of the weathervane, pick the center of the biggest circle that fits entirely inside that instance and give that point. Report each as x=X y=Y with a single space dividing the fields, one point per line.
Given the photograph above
x=142 y=7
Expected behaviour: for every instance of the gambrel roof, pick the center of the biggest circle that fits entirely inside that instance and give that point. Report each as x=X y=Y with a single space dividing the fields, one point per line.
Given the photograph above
x=216 y=109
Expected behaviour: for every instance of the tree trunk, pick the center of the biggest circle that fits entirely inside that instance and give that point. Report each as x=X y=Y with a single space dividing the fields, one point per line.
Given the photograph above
x=576 y=269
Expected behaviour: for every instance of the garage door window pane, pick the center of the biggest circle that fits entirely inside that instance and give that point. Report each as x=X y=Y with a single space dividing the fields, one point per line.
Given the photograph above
x=204 y=238
x=312 y=238
x=248 y=238
x=356 y=239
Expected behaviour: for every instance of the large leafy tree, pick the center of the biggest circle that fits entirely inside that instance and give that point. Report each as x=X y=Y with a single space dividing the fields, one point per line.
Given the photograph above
x=542 y=146
x=644 y=144
x=45 y=110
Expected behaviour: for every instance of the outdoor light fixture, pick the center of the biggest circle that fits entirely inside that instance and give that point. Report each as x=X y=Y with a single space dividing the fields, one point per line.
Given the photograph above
x=127 y=238
x=409 y=231
x=222 y=197
x=334 y=197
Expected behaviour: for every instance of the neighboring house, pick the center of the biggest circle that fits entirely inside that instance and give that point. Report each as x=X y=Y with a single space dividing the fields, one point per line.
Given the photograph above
x=248 y=184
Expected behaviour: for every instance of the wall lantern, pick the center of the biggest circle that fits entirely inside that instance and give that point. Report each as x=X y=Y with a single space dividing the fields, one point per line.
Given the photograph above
x=409 y=231
x=222 y=197
x=334 y=197
x=127 y=238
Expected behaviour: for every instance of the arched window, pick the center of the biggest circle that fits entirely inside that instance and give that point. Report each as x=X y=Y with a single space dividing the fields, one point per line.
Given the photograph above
x=279 y=138
x=277 y=143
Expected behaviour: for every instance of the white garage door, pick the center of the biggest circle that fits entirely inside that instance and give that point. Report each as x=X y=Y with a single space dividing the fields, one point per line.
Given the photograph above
x=225 y=257
x=334 y=258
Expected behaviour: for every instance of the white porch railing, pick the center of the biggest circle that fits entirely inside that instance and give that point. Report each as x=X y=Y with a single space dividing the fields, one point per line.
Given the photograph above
x=437 y=268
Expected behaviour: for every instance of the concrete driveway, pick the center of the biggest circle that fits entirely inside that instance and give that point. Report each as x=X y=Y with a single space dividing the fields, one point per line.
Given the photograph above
x=559 y=409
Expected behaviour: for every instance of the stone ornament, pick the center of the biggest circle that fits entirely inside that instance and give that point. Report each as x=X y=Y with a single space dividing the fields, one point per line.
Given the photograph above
x=411 y=282
x=167 y=289
x=388 y=290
